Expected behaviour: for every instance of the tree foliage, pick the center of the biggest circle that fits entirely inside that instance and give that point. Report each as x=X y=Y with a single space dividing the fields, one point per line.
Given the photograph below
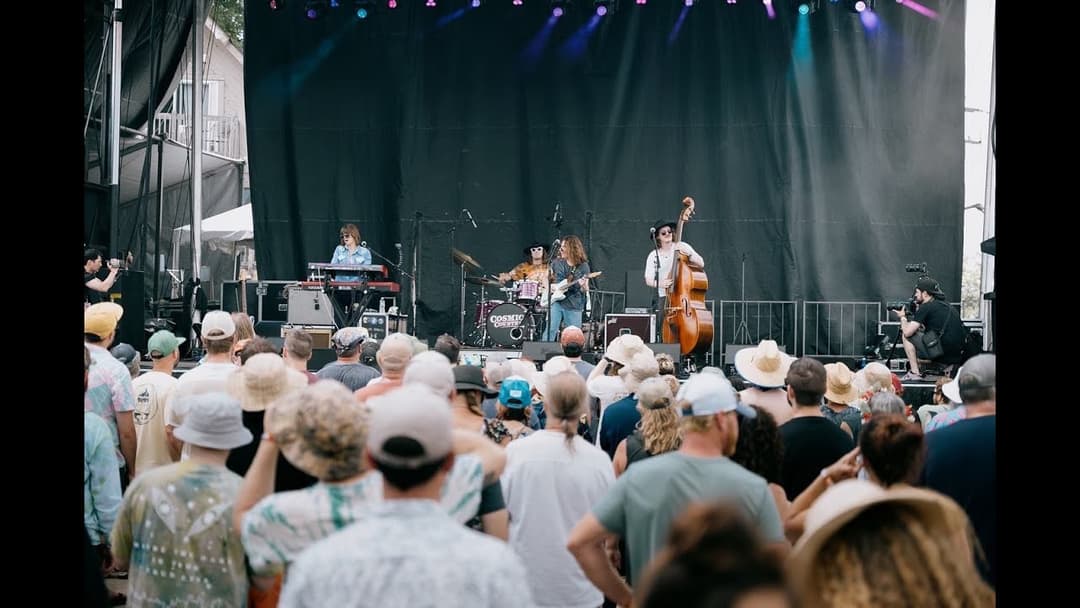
x=229 y=14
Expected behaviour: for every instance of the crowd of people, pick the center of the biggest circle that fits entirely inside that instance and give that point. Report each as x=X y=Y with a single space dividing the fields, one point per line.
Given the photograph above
x=396 y=476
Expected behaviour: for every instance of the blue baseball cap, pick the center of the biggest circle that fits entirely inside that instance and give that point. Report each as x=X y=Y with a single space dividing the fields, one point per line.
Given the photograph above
x=515 y=393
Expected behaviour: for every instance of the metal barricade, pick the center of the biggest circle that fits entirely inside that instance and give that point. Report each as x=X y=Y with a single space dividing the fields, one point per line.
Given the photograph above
x=751 y=321
x=839 y=329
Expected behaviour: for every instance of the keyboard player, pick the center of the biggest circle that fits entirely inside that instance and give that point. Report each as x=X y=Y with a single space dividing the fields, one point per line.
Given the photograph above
x=350 y=251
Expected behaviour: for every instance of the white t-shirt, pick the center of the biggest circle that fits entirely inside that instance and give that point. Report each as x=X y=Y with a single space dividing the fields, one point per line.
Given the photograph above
x=206 y=378
x=548 y=489
x=152 y=391
x=665 y=266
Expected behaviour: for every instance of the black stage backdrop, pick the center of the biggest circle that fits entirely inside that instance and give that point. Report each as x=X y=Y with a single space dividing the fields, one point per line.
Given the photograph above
x=827 y=157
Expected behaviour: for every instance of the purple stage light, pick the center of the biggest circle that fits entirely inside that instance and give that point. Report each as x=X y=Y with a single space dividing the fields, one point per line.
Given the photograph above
x=475 y=3
x=641 y=1
x=518 y=2
x=557 y=11
x=601 y=10
x=391 y=4
x=688 y=2
x=312 y=13
x=429 y=3
x=860 y=6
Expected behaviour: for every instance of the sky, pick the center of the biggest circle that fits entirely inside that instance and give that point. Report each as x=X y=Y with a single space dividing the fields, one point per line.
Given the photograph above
x=978 y=51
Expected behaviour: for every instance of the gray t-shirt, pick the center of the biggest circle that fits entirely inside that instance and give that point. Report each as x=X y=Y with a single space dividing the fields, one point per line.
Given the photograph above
x=353 y=375
x=649 y=496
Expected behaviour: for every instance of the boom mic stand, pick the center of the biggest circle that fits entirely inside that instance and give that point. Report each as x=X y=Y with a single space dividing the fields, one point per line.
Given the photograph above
x=658 y=300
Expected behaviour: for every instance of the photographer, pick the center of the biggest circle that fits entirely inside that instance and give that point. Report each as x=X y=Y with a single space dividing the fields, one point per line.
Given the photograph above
x=934 y=315
x=95 y=287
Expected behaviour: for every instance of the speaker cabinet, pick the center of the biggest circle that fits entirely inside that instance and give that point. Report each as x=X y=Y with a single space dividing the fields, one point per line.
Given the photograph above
x=128 y=292
x=539 y=352
x=309 y=307
x=641 y=326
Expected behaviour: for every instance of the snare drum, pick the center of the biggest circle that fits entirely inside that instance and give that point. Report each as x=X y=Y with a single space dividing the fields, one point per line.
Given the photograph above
x=483 y=310
x=528 y=291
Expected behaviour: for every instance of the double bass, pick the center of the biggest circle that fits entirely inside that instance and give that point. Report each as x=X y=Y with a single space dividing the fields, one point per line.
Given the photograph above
x=686 y=319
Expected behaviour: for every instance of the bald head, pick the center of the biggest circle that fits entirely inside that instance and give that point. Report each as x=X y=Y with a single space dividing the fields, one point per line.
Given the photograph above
x=394 y=354
x=572 y=341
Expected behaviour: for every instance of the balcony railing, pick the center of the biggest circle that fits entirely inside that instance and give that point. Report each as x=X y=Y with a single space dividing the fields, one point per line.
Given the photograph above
x=221 y=134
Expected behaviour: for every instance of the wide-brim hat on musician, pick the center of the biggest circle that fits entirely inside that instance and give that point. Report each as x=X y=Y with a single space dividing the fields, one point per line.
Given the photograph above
x=528 y=250
x=764 y=365
x=660 y=224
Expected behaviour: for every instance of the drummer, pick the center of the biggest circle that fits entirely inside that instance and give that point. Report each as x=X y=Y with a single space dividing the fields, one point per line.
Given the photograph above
x=535 y=268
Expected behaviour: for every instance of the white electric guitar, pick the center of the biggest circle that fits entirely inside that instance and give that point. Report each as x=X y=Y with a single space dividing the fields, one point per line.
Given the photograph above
x=558 y=290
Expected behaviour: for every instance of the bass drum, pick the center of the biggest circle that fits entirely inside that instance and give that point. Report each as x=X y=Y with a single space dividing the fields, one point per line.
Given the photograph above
x=509 y=324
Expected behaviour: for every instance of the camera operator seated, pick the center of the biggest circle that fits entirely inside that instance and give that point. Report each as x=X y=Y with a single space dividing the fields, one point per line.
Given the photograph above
x=933 y=314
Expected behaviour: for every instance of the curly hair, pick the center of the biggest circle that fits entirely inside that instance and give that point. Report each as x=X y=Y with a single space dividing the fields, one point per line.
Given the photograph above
x=659 y=424
x=759 y=448
x=713 y=558
x=893 y=448
x=891 y=556
x=575 y=251
x=665 y=363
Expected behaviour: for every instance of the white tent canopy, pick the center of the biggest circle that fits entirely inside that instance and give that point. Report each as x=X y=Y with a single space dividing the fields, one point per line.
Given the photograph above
x=223 y=230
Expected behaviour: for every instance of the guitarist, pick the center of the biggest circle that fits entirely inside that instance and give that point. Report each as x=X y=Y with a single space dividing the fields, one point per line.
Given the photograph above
x=661 y=258
x=572 y=266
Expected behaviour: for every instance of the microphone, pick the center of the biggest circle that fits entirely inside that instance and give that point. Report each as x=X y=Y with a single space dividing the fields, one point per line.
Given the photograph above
x=397 y=245
x=556 y=217
x=466 y=212
x=652 y=231
x=555 y=245
x=363 y=244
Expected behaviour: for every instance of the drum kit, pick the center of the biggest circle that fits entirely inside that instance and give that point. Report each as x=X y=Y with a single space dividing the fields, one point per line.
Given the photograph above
x=508 y=322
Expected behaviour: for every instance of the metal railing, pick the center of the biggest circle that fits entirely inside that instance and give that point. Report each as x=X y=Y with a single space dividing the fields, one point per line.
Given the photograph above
x=221 y=134
x=840 y=329
x=750 y=322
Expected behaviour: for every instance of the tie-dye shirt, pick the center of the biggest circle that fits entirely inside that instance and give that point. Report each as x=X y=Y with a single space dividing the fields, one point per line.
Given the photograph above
x=282 y=525
x=108 y=391
x=946 y=419
x=175 y=532
x=407 y=553
x=101 y=479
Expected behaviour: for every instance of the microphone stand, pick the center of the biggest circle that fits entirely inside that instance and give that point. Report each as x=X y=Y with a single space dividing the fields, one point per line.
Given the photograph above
x=658 y=300
x=741 y=331
x=413 y=281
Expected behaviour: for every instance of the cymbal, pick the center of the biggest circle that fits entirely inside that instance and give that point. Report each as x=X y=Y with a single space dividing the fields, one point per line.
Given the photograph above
x=482 y=281
x=461 y=257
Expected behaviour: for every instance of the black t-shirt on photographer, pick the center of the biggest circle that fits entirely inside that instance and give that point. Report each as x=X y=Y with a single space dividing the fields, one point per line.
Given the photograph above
x=92 y=295
x=937 y=315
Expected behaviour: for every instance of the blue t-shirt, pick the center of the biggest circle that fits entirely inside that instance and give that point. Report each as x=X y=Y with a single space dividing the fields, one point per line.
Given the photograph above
x=342 y=256
x=575 y=296
x=618 y=423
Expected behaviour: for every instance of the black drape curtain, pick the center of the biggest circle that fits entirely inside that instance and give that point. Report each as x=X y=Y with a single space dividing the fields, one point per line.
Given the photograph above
x=155 y=31
x=827 y=155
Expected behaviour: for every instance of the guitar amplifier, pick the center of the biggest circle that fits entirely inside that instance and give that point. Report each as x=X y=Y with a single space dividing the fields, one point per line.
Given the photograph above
x=320 y=335
x=309 y=307
x=642 y=326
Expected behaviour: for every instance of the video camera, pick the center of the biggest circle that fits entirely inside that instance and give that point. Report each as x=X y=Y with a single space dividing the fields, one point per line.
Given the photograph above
x=901 y=305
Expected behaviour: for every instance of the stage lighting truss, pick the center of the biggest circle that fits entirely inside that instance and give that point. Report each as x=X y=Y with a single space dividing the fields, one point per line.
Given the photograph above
x=605 y=7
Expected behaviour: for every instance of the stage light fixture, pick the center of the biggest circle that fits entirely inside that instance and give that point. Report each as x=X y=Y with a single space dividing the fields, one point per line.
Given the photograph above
x=858 y=6
x=809 y=8
x=363 y=8
x=430 y=4
x=688 y=2
x=559 y=7
x=474 y=3
x=391 y=3
x=604 y=7
x=314 y=9
x=276 y=5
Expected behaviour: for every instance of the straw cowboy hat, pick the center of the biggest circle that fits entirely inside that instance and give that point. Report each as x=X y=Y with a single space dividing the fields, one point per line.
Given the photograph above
x=840 y=384
x=848 y=499
x=321 y=430
x=874 y=377
x=764 y=366
x=264 y=378
x=623 y=347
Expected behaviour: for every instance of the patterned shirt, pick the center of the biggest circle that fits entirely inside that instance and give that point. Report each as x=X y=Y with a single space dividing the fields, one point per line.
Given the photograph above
x=342 y=256
x=407 y=553
x=282 y=525
x=175 y=531
x=101 y=479
x=947 y=419
x=108 y=391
